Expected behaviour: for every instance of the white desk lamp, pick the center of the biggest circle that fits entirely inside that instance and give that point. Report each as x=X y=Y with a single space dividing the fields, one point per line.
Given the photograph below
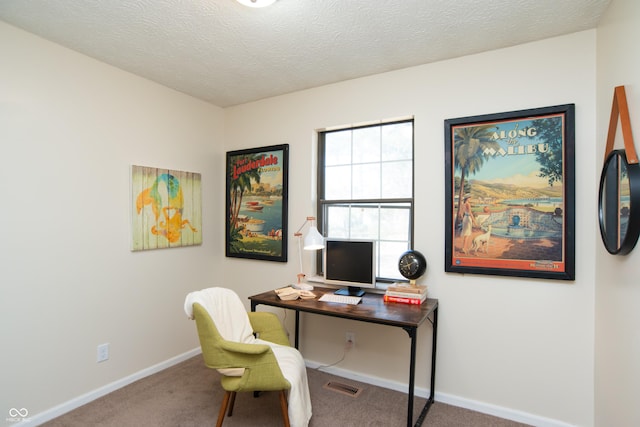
x=313 y=241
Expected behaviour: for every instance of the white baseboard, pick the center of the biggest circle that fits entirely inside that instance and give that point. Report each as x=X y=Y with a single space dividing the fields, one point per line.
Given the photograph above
x=499 y=411
x=72 y=404
x=482 y=407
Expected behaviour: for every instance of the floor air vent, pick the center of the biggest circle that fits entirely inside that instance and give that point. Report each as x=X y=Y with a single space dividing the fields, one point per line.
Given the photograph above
x=347 y=389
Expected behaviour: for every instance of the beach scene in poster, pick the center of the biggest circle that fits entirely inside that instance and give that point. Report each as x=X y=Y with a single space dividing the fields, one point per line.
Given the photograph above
x=255 y=204
x=508 y=201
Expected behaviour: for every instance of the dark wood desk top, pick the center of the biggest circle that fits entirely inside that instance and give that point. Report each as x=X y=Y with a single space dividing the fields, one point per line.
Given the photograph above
x=371 y=309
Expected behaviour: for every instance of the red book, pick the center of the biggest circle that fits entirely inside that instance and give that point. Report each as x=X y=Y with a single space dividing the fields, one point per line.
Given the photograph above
x=413 y=301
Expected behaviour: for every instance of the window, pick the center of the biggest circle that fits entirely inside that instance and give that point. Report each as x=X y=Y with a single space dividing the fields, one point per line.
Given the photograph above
x=365 y=189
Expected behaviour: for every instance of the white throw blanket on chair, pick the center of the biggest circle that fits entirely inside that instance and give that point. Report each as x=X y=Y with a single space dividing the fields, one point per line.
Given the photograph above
x=231 y=319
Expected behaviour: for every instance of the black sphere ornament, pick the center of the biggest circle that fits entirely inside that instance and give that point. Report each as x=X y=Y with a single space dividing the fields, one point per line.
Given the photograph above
x=412 y=265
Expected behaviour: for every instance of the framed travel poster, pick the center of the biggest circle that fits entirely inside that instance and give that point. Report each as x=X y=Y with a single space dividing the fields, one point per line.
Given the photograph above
x=509 y=193
x=256 y=203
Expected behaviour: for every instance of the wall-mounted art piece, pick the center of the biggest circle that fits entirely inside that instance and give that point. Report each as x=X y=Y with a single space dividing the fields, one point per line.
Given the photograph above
x=256 y=203
x=166 y=208
x=509 y=193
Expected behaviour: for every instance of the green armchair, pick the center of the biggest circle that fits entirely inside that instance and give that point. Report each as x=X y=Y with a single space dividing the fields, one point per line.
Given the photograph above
x=243 y=366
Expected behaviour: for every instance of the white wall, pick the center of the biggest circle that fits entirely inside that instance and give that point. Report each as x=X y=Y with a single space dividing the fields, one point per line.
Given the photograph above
x=70 y=128
x=522 y=345
x=617 y=317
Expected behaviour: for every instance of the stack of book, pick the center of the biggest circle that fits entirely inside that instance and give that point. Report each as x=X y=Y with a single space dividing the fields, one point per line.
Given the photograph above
x=406 y=294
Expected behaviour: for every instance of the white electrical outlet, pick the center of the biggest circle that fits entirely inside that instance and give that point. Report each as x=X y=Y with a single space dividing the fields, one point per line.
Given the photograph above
x=103 y=352
x=350 y=339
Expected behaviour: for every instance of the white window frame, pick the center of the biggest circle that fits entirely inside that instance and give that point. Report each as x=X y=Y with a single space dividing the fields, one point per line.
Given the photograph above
x=381 y=203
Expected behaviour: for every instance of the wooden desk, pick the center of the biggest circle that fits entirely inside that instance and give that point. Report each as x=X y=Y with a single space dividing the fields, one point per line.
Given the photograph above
x=372 y=309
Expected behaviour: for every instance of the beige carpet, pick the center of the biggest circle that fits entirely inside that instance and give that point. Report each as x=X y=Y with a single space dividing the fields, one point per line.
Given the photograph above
x=189 y=394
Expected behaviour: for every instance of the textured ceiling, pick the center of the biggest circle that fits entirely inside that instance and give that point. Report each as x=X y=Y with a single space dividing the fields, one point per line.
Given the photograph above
x=229 y=54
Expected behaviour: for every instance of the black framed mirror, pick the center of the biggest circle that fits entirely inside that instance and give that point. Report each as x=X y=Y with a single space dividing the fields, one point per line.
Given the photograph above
x=618 y=203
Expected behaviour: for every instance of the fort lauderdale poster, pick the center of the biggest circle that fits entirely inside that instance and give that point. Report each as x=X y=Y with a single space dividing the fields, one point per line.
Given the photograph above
x=256 y=203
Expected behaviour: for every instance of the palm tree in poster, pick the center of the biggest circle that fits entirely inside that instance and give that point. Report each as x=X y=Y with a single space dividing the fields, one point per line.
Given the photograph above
x=469 y=145
x=238 y=188
x=550 y=131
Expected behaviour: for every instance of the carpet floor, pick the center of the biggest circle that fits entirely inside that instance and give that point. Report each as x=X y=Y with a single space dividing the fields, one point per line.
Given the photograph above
x=189 y=394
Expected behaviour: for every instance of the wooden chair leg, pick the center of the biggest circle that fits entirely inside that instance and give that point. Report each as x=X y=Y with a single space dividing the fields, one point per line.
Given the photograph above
x=231 y=403
x=284 y=407
x=223 y=408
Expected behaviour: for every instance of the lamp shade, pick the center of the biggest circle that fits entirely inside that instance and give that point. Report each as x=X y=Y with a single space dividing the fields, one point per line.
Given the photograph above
x=313 y=240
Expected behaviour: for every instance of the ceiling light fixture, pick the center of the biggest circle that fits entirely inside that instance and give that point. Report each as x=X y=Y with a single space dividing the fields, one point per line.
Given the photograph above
x=256 y=3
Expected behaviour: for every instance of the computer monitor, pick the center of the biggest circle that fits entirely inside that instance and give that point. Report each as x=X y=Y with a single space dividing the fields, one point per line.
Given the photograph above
x=351 y=263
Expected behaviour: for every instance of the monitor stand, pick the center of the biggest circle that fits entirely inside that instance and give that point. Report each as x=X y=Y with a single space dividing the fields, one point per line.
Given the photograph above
x=354 y=291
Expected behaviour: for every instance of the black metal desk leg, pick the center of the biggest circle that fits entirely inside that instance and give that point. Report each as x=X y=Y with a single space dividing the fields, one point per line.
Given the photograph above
x=433 y=356
x=297 y=328
x=412 y=374
x=432 y=392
